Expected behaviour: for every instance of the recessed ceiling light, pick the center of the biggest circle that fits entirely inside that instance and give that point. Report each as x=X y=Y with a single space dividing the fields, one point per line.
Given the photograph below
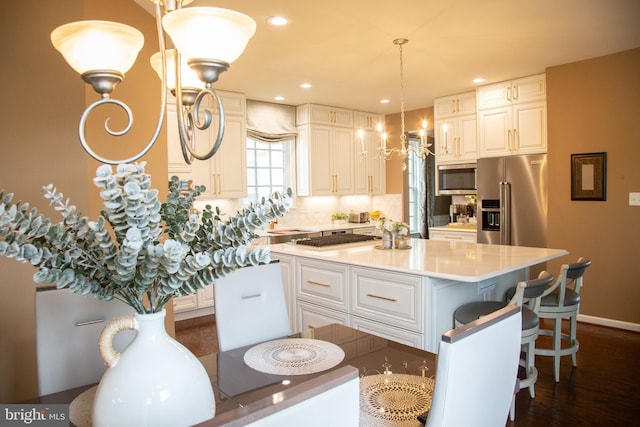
x=479 y=80
x=384 y=101
x=305 y=85
x=277 y=21
x=279 y=98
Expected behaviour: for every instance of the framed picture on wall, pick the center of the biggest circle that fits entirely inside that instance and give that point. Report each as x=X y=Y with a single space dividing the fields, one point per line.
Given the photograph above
x=589 y=176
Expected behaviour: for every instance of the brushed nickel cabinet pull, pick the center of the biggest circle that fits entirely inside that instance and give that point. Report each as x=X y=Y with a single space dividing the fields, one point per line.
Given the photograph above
x=313 y=282
x=381 y=297
x=251 y=296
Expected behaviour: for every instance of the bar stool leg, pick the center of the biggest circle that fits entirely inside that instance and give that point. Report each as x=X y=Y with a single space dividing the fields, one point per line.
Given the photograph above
x=557 y=345
x=573 y=325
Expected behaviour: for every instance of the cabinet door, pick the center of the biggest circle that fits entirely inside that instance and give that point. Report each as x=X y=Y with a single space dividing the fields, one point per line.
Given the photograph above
x=370 y=173
x=445 y=140
x=467 y=138
x=530 y=123
x=325 y=115
x=366 y=121
x=462 y=103
x=205 y=297
x=185 y=303
x=494 y=95
x=322 y=181
x=494 y=132
x=230 y=174
x=409 y=338
x=531 y=88
x=342 y=160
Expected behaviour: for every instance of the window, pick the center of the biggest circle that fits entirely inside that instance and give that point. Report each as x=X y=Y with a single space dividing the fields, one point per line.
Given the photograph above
x=415 y=190
x=268 y=168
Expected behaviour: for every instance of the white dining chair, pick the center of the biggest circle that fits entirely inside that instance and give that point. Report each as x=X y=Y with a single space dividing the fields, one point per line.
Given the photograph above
x=250 y=306
x=67 y=329
x=477 y=371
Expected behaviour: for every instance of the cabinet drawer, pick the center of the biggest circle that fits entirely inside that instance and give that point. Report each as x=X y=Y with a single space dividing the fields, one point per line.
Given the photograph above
x=392 y=298
x=311 y=316
x=412 y=339
x=323 y=283
x=452 y=235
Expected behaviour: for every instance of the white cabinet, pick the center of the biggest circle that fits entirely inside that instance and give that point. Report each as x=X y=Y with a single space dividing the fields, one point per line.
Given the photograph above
x=367 y=121
x=199 y=304
x=325 y=160
x=387 y=304
x=522 y=90
x=452 y=234
x=455 y=128
x=456 y=139
x=386 y=297
x=459 y=104
x=288 y=281
x=512 y=117
x=224 y=175
x=370 y=170
x=324 y=115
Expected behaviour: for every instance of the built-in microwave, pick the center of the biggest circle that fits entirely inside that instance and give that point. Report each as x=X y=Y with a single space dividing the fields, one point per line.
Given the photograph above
x=456 y=179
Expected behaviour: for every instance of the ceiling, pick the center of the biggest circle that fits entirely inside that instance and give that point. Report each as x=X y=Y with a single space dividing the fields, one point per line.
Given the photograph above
x=345 y=49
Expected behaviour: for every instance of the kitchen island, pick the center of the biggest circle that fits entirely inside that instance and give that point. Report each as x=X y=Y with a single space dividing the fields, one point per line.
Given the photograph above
x=405 y=295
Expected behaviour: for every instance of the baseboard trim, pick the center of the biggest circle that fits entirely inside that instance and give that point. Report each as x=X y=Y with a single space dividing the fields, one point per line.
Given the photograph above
x=619 y=324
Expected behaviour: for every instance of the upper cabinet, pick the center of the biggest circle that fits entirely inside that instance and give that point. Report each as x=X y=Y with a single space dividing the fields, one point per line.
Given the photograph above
x=324 y=115
x=370 y=170
x=455 y=128
x=325 y=160
x=328 y=152
x=512 y=117
x=455 y=105
x=224 y=175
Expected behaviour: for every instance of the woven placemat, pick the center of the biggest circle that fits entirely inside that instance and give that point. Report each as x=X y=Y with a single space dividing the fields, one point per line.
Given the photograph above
x=293 y=356
x=81 y=408
x=394 y=399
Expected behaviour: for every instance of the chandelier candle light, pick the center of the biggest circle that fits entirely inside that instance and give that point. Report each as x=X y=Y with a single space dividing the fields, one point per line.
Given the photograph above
x=209 y=38
x=422 y=150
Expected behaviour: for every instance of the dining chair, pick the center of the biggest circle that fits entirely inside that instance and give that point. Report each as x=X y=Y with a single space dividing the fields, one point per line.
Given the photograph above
x=476 y=371
x=250 y=306
x=526 y=294
x=561 y=301
x=68 y=325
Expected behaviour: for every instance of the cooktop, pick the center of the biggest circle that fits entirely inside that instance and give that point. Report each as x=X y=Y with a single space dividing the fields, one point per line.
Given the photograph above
x=338 y=239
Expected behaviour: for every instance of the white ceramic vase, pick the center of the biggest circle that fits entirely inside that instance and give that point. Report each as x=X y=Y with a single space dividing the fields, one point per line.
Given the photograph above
x=155 y=381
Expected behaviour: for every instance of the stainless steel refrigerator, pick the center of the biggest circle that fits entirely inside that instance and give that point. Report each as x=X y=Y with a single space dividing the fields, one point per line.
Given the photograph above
x=512 y=200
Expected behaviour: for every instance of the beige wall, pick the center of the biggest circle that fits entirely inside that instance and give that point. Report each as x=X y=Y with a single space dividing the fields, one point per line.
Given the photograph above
x=594 y=106
x=42 y=100
x=412 y=121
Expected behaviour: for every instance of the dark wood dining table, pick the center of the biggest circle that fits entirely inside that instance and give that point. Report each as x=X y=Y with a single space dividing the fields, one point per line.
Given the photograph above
x=240 y=389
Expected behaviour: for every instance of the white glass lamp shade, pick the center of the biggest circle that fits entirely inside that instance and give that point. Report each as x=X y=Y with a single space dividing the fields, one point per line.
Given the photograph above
x=98 y=45
x=188 y=76
x=209 y=32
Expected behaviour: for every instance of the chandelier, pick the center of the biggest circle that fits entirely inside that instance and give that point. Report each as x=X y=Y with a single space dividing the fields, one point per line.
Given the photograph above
x=403 y=151
x=207 y=41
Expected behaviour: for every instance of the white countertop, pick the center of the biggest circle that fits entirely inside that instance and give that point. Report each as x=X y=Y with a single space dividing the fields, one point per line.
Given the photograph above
x=461 y=261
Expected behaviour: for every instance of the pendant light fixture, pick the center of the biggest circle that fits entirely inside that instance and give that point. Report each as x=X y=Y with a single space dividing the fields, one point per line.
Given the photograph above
x=403 y=151
x=207 y=41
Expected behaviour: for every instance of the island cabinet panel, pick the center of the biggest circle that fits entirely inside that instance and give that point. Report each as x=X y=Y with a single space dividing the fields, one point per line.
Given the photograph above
x=288 y=282
x=324 y=283
x=391 y=298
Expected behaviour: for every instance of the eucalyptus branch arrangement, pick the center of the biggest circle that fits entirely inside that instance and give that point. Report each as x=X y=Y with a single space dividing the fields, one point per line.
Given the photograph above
x=139 y=251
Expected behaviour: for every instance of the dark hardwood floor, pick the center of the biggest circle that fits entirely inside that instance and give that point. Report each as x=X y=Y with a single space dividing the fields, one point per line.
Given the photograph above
x=604 y=390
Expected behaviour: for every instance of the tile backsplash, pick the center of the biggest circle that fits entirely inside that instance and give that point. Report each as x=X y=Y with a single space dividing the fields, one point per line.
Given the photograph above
x=312 y=211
